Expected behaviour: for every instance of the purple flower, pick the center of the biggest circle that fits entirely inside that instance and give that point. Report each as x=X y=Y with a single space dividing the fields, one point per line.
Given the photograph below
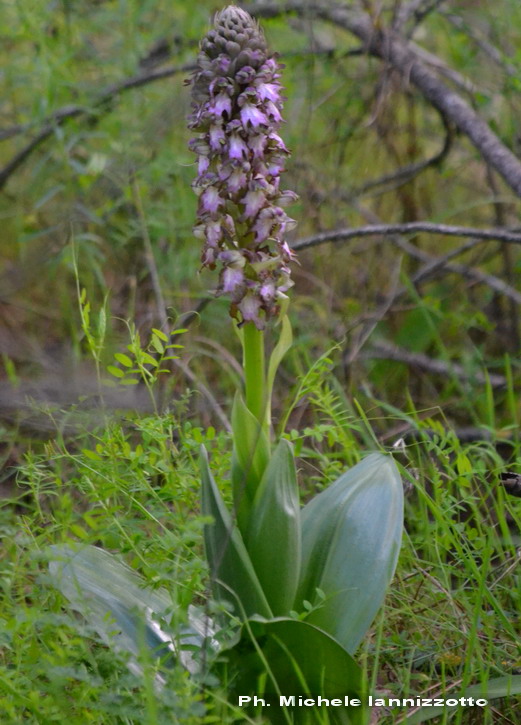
x=236 y=111
x=264 y=224
x=275 y=142
x=246 y=75
x=232 y=279
x=236 y=181
x=268 y=291
x=275 y=165
x=273 y=112
x=257 y=145
x=253 y=202
x=214 y=233
x=216 y=137
x=252 y=115
x=210 y=200
x=203 y=164
x=268 y=91
x=237 y=148
x=249 y=307
x=221 y=104
x=286 y=197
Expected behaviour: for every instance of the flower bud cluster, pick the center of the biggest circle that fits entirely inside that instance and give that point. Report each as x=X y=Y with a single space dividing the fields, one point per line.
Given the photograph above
x=237 y=113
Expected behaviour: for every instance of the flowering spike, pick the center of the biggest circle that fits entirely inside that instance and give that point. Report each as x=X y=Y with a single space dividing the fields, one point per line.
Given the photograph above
x=237 y=112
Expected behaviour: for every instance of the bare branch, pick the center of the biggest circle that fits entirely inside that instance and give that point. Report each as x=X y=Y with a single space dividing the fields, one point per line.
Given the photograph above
x=433 y=265
x=405 y=12
x=395 y=51
x=112 y=92
x=99 y=106
x=436 y=265
x=387 y=351
x=367 y=329
x=458 y=79
x=406 y=173
x=12 y=131
x=416 y=10
x=342 y=235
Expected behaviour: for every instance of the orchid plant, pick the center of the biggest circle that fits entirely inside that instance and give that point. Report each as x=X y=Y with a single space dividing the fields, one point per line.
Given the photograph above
x=305 y=583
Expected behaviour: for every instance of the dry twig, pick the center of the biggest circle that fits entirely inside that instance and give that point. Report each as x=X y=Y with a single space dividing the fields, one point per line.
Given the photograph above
x=342 y=235
x=387 y=351
x=99 y=106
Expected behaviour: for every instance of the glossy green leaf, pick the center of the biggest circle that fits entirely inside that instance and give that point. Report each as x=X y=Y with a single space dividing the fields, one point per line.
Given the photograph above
x=296 y=658
x=117 y=372
x=160 y=334
x=273 y=538
x=157 y=344
x=147 y=359
x=251 y=453
x=123 y=359
x=351 y=536
x=125 y=614
x=233 y=576
x=491 y=690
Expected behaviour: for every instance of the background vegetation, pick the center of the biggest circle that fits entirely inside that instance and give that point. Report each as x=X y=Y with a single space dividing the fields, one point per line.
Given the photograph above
x=412 y=337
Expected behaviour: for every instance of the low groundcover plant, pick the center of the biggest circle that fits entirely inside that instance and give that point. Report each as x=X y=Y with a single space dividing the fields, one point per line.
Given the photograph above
x=303 y=583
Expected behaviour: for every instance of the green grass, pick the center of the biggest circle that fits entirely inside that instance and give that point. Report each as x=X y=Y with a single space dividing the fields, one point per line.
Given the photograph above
x=451 y=615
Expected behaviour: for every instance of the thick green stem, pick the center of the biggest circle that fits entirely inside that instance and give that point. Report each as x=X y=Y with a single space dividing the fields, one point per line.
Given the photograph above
x=255 y=373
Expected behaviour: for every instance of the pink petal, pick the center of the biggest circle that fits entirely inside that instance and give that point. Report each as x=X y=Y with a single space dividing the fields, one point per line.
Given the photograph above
x=237 y=148
x=253 y=201
x=216 y=137
x=252 y=115
x=268 y=91
x=210 y=200
x=231 y=279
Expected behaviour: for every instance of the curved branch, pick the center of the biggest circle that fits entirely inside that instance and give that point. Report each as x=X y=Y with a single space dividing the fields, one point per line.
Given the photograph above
x=387 y=351
x=99 y=106
x=395 y=51
x=434 y=266
x=342 y=235
x=441 y=265
x=419 y=13
x=406 y=173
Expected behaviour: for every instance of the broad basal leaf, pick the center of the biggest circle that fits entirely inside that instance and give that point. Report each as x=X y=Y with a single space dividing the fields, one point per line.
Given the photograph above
x=351 y=535
x=233 y=576
x=125 y=614
x=287 y=657
x=273 y=538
